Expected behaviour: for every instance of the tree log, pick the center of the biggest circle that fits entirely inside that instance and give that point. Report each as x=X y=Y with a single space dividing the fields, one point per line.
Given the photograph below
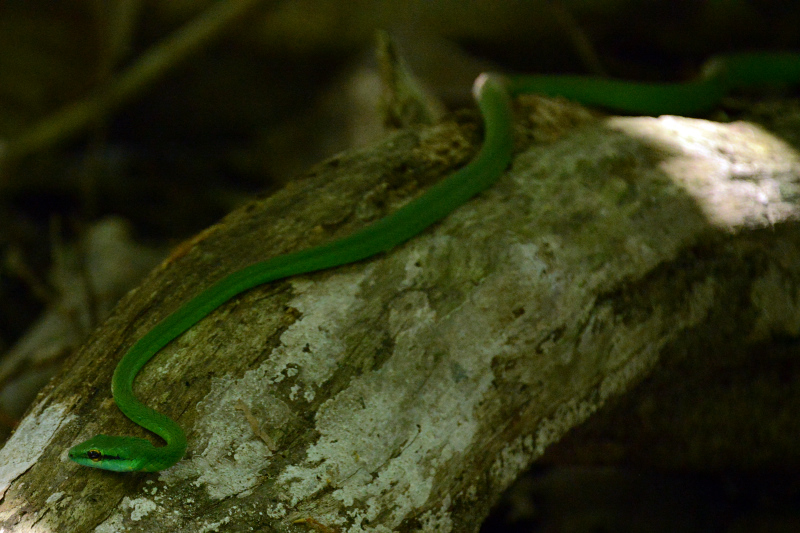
x=406 y=392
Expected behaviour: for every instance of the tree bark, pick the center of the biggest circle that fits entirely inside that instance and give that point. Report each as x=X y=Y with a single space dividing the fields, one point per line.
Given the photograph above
x=406 y=392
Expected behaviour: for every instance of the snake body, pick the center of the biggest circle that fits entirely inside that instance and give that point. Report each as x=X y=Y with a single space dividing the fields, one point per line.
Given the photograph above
x=493 y=94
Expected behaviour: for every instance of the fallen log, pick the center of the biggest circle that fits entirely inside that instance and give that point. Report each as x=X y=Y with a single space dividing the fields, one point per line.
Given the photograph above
x=406 y=392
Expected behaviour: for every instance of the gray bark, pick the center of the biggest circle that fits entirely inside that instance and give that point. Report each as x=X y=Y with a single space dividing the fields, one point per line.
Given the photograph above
x=404 y=393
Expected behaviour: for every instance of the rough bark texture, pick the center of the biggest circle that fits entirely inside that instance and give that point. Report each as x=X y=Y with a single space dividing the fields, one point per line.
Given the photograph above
x=406 y=392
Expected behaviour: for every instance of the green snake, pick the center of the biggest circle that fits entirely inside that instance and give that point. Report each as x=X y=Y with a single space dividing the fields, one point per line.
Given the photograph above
x=493 y=93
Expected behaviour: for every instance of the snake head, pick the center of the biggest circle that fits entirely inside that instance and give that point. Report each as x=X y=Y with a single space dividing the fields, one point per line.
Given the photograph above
x=118 y=454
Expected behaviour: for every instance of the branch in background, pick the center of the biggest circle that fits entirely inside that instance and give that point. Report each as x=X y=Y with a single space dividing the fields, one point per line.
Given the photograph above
x=151 y=66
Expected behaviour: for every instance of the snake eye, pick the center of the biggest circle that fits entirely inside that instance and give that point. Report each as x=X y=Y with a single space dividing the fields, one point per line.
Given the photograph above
x=94 y=455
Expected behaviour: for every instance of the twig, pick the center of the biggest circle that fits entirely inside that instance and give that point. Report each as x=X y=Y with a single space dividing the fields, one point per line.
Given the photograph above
x=580 y=40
